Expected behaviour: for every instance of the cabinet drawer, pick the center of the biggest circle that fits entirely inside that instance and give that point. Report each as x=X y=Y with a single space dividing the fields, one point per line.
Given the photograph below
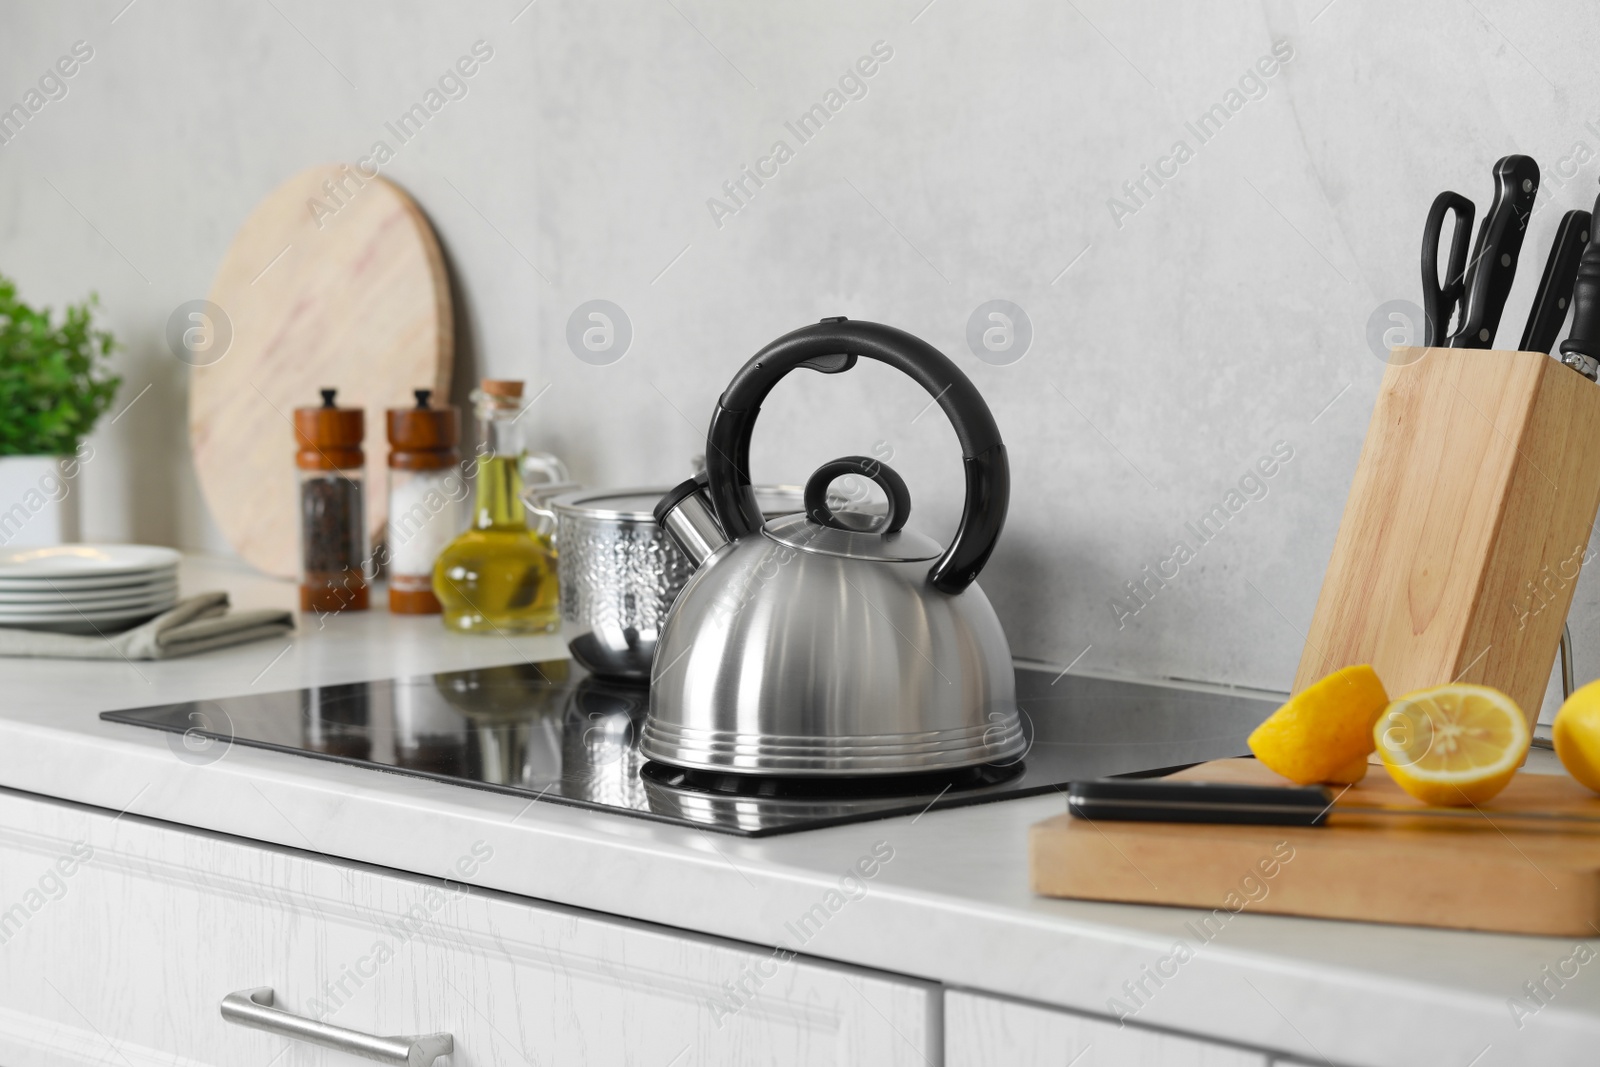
x=119 y=939
x=982 y=1031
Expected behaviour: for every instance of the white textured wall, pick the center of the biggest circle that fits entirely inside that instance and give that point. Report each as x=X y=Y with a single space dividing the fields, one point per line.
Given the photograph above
x=1185 y=340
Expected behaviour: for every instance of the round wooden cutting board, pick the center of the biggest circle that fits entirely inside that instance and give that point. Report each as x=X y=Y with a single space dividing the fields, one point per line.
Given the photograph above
x=335 y=281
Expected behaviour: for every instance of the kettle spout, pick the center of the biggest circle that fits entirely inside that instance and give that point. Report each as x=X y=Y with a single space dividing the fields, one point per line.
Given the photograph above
x=687 y=516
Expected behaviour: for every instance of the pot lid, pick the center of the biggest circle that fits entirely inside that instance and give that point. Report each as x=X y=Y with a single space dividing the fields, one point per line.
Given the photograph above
x=906 y=546
x=633 y=504
x=638 y=505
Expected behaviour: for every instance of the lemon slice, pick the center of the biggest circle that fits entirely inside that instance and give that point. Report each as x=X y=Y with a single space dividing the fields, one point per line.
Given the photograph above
x=1324 y=732
x=1452 y=744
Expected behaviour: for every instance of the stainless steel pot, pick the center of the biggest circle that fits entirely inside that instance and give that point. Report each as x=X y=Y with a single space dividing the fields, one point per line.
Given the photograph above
x=619 y=572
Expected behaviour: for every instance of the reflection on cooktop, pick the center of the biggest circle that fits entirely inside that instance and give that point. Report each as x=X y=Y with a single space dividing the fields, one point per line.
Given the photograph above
x=552 y=732
x=722 y=783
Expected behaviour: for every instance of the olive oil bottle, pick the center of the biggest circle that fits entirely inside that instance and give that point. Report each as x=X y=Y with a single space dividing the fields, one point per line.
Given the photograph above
x=498 y=577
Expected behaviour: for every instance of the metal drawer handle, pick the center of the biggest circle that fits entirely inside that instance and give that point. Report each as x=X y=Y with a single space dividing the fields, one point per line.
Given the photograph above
x=253 y=1008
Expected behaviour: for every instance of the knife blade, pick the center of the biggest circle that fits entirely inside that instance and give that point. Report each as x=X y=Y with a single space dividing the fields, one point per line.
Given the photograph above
x=1493 y=266
x=1156 y=800
x=1581 y=349
x=1550 y=303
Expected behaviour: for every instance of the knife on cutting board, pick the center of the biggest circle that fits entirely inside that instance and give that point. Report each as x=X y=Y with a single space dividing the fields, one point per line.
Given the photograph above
x=1554 y=297
x=1581 y=349
x=1157 y=800
x=1493 y=266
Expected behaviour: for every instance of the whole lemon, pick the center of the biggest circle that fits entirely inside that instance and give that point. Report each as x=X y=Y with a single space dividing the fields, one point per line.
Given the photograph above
x=1577 y=735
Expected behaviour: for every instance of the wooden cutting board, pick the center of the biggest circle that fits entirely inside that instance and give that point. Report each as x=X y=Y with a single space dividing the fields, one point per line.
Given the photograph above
x=344 y=289
x=1422 y=871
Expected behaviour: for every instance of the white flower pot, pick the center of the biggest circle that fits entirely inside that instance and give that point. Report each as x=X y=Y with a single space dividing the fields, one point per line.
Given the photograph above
x=38 y=500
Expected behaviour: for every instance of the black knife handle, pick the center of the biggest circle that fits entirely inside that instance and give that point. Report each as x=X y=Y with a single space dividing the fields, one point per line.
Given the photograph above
x=1442 y=295
x=1584 y=340
x=1550 y=303
x=1160 y=800
x=1494 y=258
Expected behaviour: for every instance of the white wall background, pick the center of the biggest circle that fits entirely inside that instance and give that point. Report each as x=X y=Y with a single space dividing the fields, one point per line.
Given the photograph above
x=1226 y=315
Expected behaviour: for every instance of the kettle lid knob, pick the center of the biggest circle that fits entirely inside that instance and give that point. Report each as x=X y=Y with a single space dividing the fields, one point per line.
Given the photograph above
x=893 y=486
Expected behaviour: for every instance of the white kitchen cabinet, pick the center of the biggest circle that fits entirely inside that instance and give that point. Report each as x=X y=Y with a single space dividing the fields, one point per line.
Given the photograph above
x=984 y=1031
x=120 y=937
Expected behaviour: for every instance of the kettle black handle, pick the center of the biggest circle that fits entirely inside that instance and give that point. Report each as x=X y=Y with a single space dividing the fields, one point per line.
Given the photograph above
x=831 y=346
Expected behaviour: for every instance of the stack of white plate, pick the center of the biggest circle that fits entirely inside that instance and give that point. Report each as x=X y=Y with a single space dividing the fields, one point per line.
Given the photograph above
x=86 y=589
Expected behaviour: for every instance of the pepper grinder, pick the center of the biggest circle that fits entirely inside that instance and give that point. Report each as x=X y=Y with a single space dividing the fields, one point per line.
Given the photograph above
x=333 y=523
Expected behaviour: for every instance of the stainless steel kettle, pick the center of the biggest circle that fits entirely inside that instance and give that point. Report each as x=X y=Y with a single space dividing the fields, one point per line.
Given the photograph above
x=810 y=645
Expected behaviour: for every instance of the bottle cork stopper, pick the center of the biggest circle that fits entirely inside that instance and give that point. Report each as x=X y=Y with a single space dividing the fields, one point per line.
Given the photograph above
x=501 y=387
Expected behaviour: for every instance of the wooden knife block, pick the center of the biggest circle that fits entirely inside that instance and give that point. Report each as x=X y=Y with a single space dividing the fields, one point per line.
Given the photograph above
x=1467 y=521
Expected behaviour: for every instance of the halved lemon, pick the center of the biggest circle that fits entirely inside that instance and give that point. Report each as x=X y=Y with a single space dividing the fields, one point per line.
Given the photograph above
x=1350 y=773
x=1324 y=732
x=1452 y=744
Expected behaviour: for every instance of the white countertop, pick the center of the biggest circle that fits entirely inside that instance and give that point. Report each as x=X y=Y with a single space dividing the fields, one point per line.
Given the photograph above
x=952 y=905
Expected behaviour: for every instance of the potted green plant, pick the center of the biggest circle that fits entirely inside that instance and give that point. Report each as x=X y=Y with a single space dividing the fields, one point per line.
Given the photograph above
x=54 y=385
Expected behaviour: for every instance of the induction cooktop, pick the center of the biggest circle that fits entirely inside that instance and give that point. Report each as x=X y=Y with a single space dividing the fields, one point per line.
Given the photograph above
x=553 y=733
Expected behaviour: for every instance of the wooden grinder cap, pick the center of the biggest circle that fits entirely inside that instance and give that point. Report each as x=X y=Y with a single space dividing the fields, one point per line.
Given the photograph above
x=329 y=436
x=423 y=438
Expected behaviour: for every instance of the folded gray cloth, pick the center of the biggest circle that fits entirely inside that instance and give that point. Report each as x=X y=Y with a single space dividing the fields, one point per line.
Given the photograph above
x=196 y=624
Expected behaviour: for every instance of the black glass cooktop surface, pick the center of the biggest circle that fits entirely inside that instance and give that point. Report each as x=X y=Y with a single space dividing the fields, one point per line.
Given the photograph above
x=552 y=732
